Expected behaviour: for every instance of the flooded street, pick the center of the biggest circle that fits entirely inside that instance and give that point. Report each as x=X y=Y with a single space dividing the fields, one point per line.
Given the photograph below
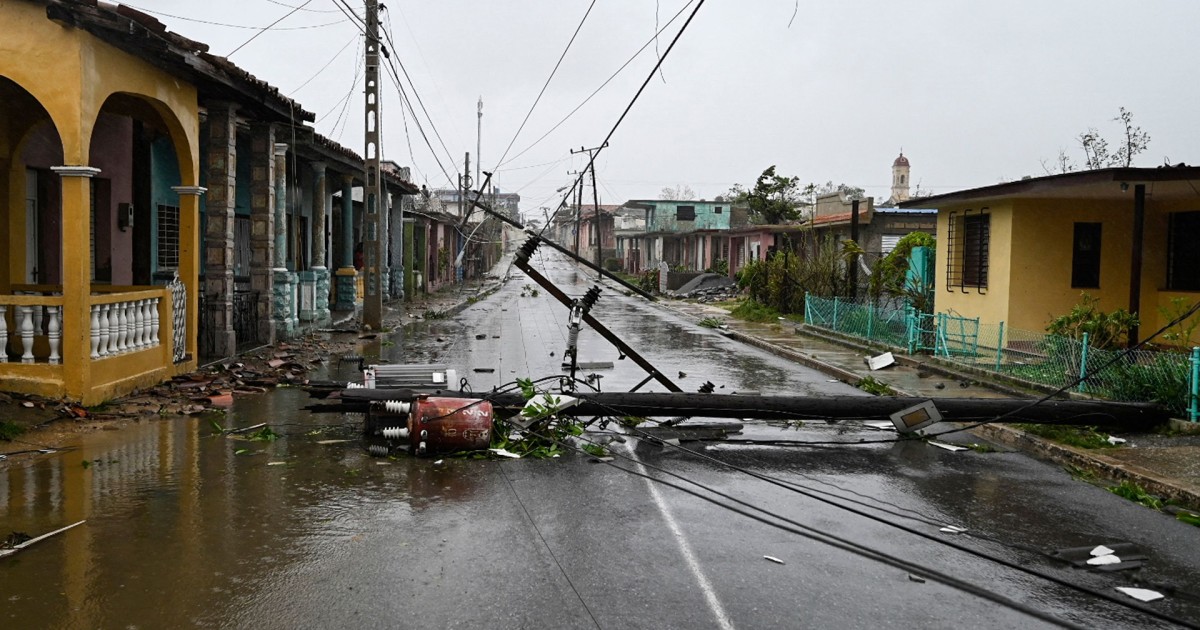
x=188 y=527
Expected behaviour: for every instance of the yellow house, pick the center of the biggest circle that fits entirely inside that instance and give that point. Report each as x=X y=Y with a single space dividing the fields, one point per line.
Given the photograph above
x=1022 y=252
x=79 y=122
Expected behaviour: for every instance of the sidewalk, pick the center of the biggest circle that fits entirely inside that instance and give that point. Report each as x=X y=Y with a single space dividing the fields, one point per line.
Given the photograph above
x=1164 y=464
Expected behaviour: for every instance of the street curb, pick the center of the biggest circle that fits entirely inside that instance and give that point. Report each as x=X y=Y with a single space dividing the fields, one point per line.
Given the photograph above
x=844 y=375
x=1109 y=468
x=1058 y=453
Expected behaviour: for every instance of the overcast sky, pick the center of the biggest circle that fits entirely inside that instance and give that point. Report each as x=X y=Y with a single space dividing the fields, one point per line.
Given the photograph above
x=973 y=92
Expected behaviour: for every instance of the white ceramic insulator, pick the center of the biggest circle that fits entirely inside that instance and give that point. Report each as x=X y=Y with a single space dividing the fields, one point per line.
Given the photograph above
x=354 y=386
x=378 y=450
x=396 y=406
x=395 y=433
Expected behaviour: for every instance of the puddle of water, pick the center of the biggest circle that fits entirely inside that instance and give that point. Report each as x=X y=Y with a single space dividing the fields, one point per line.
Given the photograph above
x=179 y=519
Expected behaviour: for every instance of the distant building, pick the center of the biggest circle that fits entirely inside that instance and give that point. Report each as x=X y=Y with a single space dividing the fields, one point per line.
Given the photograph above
x=900 y=182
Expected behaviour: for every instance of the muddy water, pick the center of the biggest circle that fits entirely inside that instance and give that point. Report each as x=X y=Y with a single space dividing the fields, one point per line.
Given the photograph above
x=182 y=523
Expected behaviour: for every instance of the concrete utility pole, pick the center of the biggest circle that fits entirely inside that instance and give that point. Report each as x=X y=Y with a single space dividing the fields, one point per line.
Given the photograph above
x=373 y=188
x=595 y=200
x=479 y=142
x=465 y=208
x=577 y=200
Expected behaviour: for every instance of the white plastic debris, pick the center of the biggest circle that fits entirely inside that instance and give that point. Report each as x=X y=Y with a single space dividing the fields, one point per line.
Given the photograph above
x=773 y=559
x=276 y=463
x=1101 y=550
x=505 y=453
x=1103 y=560
x=323 y=442
x=953 y=529
x=881 y=361
x=882 y=425
x=948 y=447
x=1114 y=440
x=551 y=403
x=1140 y=594
x=439 y=462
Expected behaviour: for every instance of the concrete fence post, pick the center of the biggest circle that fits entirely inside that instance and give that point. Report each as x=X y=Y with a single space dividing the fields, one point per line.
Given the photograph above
x=1194 y=408
x=1083 y=357
x=1000 y=346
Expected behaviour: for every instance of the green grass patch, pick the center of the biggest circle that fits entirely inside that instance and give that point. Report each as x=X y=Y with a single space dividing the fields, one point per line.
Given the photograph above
x=10 y=430
x=1079 y=437
x=1137 y=494
x=981 y=448
x=711 y=322
x=752 y=311
x=871 y=386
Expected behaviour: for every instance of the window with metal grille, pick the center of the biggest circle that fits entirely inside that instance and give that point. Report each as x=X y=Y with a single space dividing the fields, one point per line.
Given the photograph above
x=1183 y=254
x=1085 y=256
x=168 y=237
x=976 y=239
x=685 y=213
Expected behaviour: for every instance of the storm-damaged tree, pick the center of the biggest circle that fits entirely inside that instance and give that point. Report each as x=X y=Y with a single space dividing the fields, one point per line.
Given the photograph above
x=851 y=192
x=1096 y=153
x=682 y=192
x=775 y=199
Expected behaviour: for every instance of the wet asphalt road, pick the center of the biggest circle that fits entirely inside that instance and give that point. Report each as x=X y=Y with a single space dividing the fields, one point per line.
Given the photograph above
x=188 y=529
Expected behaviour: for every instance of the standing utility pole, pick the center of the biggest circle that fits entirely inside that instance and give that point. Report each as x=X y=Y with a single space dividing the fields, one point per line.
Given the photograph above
x=577 y=199
x=373 y=190
x=595 y=200
x=479 y=142
x=465 y=208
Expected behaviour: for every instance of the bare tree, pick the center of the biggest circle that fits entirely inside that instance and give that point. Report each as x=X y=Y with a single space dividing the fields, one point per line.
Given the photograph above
x=682 y=192
x=1136 y=141
x=1061 y=164
x=1096 y=152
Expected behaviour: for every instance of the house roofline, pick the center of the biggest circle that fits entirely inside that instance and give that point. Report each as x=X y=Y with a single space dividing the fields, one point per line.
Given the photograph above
x=1057 y=184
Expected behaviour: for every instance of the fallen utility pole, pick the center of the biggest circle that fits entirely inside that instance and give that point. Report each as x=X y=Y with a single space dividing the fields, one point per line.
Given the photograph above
x=522 y=263
x=567 y=251
x=650 y=405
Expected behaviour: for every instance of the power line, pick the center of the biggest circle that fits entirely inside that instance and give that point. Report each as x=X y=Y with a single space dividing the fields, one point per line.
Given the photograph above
x=290 y=6
x=546 y=84
x=267 y=28
x=387 y=34
x=353 y=38
x=240 y=26
x=585 y=101
x=633 y=101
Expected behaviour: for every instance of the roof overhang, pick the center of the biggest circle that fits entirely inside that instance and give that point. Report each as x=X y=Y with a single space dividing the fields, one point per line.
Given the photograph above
x=1110 y=184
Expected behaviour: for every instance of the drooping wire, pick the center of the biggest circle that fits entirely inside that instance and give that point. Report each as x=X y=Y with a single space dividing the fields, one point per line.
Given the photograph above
x=353 y=39
x=267 y=28
x=629 y=107
x=545 y=85
x=225 y=25
x=792 y=526
x=636 y=54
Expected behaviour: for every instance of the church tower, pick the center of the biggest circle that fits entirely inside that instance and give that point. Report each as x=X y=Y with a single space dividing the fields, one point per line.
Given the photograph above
x=900 y=179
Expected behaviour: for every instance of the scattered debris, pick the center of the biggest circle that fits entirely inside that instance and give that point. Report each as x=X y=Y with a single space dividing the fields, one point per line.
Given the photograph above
x=1114 y=440
x=276 y=463
x=916 y=578
x=953 y=529
x=1101 y=557
x=774 y=559
x=949 y=447
x=1140 y=594
x=504 y=453
x=10 y=547
x=878 y=363
x=324 y=442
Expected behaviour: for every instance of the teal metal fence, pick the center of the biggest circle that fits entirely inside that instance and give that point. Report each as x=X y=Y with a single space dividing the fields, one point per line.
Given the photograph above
x=1171 y=378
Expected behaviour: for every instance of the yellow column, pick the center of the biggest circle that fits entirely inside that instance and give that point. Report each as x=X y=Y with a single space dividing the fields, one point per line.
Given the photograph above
x=189 y=258
x=76 y=278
